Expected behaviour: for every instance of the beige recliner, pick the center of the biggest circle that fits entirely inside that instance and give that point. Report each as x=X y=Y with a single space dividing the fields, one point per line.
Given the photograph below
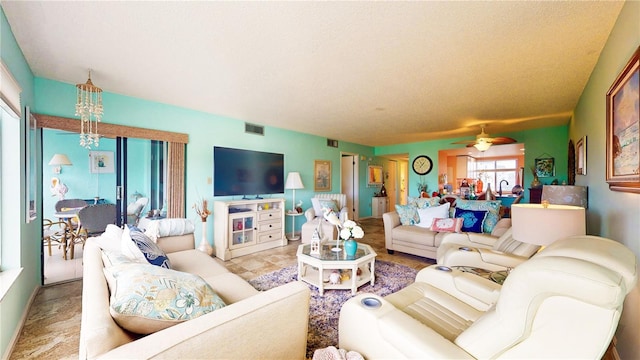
x=315 y=219
x=481 y=251
x=565 y=302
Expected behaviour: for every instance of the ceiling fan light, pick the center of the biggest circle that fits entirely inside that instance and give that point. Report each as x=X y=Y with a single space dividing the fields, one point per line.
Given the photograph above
x=482 y=145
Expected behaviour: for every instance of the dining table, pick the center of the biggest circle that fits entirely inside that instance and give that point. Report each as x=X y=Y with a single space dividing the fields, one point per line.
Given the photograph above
x=67 y=215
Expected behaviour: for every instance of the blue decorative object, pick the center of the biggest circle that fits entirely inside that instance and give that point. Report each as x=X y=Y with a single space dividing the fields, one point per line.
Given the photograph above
x=472 y=219
x=351 y=246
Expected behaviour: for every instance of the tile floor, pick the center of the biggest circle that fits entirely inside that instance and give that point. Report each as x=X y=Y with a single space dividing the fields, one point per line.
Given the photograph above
x=52 y=328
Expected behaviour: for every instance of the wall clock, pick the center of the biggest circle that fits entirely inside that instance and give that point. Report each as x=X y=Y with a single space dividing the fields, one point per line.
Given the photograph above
x=422 y=165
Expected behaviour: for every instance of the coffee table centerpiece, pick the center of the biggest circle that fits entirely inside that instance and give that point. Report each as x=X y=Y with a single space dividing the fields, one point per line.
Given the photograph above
x=315 y=269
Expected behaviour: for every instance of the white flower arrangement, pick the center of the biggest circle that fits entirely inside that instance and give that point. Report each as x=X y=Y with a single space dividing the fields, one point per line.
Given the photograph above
x=351 y=230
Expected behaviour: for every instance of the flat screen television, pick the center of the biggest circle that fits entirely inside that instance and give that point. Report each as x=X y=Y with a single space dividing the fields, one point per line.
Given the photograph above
x=247 y=172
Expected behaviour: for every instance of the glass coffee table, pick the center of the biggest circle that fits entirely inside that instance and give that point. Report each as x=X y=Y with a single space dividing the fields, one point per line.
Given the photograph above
x=316 y=269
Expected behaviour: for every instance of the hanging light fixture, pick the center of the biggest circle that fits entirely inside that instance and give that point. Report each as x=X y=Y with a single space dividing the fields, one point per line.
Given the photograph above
x=89 y=108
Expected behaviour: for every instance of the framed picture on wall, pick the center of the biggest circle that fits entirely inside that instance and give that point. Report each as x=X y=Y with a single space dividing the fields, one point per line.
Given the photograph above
x=581 y=156
x=101 y=162
x=623 y=127
x=545 y=167
x=374 y=175
x=322 y=175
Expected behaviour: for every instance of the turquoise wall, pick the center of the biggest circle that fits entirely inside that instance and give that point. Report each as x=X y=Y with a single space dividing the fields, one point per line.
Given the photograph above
x=547 y=142
x=611 y=214
x=206 y=131
x=21 y=251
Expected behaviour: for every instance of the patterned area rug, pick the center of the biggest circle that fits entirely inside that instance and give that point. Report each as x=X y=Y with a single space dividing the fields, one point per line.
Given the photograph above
x=325 y=310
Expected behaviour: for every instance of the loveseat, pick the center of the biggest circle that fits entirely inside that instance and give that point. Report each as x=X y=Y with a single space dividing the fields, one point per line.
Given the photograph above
x=253 y=324
x=411 y=238
x=563 y=303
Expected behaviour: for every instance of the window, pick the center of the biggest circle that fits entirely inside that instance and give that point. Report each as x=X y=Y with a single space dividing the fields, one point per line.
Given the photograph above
x=493 y=172
x=10 y=170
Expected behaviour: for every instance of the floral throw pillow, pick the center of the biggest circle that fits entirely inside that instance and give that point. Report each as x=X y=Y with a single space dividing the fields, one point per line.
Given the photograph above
x=147 y=298
x=472 y=220
x=492 y=207
x=329 y=204
x=447 y=225
x=408 y=214
x=422 y=203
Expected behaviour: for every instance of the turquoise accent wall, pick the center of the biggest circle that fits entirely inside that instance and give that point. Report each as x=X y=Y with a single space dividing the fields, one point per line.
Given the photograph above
x=20 y=243
x=547 y=142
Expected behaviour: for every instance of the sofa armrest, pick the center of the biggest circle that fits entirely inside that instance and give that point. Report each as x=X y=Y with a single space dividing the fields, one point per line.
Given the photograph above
x=487 y=259
x=388 y=333
x=310 y=214
x=176 y=243
x=248 y=329
x=471 y=289
x=390 y=221
x=344 y=214
x=500 y=259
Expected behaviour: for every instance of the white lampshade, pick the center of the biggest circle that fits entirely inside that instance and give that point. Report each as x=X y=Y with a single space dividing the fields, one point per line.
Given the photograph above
x=293 y=181
x=539 y=225
x=58 y=160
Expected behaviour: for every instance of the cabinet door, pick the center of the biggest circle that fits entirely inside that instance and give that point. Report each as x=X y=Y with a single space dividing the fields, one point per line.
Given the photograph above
x=241 y=230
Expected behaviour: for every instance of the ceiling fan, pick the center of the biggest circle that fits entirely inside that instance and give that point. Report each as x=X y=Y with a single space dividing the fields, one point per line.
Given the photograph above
x=483 y=141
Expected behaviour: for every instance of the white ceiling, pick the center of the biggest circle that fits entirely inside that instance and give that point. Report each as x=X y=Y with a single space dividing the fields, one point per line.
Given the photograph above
x=373 y=73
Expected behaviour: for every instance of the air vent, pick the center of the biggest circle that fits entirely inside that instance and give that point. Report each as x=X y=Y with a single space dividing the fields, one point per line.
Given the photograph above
x=253 y=129
x=332 y=143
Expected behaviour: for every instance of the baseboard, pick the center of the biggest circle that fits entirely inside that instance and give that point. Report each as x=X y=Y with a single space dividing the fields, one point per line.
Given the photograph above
x=23 y=319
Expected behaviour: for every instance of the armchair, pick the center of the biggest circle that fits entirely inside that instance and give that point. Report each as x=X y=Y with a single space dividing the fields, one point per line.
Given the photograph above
x=481 y=251
x=315 y=219
x=575 y=286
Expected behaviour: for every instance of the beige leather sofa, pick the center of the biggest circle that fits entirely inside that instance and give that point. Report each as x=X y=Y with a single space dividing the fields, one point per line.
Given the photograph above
x=565 y=302
x=421 y=241
x=252 y=325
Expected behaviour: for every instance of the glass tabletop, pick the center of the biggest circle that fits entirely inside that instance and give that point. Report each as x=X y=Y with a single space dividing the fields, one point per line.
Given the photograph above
x=327 y=254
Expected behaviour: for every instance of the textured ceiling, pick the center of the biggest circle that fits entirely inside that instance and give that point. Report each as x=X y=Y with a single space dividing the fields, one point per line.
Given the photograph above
x=373 y=73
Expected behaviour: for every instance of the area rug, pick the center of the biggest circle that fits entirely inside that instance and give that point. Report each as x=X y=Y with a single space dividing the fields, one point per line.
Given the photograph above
x=325 y=310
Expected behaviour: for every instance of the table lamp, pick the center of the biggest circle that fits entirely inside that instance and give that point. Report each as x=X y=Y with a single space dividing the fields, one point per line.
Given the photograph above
x=293 y=182
x=542 y=224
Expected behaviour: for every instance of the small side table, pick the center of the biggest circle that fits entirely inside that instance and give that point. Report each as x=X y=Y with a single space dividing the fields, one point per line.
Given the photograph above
x=293 y=235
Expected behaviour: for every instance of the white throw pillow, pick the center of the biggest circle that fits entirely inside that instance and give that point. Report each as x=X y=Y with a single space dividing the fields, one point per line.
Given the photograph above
x=428 y=214
x=315 y=202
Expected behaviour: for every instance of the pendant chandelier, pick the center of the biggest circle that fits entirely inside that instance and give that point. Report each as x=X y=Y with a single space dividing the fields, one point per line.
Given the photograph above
x=89 y=108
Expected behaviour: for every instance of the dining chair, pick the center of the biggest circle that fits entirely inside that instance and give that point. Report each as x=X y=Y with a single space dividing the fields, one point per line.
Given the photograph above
x=135 y=209
x=93 y=221
x=54 y=231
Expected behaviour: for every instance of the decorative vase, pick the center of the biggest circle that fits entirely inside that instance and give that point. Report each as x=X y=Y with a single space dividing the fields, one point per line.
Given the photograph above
x=204 y=243
x=536 y=182
x=351 y=246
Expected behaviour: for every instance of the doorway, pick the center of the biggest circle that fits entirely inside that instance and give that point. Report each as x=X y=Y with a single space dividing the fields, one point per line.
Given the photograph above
x=349 y=181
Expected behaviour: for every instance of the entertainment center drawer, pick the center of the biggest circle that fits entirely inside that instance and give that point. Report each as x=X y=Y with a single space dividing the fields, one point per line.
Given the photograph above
x=269 y=214
x=269 y=225
x=270 y=236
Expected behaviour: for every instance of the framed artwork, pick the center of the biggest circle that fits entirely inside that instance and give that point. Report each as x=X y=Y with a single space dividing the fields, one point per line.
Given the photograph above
x=374 y=175
x=623 y=129
x=31 y=164
x=545 y=167
x=322 y=175
x=101 y=162
x=581 y=156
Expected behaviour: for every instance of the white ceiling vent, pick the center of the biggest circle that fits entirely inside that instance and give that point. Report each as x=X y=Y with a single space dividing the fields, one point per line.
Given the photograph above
x=332 y=143
x=253 y=129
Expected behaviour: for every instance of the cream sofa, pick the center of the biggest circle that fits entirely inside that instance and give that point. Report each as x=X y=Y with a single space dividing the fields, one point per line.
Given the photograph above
x=421 y=241
x=565 y=302
x=252 y=325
